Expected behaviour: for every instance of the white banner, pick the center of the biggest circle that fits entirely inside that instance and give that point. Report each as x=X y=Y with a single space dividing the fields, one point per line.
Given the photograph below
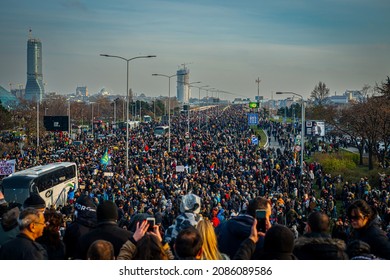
x=7 y=167
x=180 y=168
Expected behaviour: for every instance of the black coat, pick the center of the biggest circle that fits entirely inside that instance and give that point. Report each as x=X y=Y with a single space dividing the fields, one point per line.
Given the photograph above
x=71 y=238
x=375 y=237
x=109 y=231
x=317 y=246
x=231 y=233
x=248 y=247
x=22 y=248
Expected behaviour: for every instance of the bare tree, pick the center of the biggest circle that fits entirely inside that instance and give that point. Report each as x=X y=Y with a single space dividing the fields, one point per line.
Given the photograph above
x=364 y=93
x=320 y=94
x=5 y=118
x=384 y=88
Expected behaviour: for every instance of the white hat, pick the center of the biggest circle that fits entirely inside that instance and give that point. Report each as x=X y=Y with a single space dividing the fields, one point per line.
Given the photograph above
x=190 y=203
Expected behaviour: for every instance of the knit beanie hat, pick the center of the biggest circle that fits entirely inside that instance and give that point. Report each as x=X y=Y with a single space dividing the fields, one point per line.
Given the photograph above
x=85 y=211
x=190 y=203
x=34 y=201
x=107 y=211
x=279 y=242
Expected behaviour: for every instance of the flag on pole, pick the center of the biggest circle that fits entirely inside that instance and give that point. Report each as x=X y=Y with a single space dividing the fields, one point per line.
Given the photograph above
x=105 y=158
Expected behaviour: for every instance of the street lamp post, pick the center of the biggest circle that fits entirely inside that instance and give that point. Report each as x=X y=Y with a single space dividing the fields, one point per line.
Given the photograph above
x=127 y=99
x=199 y=106
x=114 y=113
x=258 y=94
x=169 y=106
x=302 y=125
x=92 y=118
x=188 y=109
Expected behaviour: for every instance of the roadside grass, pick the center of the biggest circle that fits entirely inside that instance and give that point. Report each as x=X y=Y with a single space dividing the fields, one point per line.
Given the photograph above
x=345 y=163
x=261 y=135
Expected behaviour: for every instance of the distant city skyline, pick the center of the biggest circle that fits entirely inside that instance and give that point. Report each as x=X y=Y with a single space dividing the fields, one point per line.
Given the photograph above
x=226 y=44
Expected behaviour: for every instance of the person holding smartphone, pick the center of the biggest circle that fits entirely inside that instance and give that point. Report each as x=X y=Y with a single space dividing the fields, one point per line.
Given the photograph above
x=233 y=232
x=278 y=244
x=146 y=243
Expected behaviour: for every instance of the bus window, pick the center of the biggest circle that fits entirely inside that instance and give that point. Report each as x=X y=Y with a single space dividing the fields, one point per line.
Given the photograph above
x=160 y=131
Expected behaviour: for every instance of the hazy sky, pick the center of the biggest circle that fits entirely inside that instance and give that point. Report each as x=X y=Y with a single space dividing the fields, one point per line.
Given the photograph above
x=290 y=45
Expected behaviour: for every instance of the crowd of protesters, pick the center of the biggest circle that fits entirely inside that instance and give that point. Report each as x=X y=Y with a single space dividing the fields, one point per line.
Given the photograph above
x=226 y=179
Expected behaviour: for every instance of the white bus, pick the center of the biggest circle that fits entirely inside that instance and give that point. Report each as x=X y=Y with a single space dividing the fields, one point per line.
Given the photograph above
x=52 y=182
x=160 y=131
x=147 y=119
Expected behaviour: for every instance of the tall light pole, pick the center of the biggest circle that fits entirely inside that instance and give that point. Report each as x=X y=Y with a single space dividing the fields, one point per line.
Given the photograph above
x=93 y=134
x=258 y=94
x=199 y=106
x=127 y=99
x=154 y=109
x=188 y=110
x=302 y=124
x=169 y=106
x=114 y=113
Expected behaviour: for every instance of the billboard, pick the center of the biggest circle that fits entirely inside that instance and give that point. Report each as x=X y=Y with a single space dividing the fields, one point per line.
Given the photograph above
x=56 y=123
x=315 y=128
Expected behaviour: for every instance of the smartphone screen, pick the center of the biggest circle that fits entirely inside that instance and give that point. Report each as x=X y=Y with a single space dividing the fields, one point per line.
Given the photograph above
x=261 y=220
x=151 y=222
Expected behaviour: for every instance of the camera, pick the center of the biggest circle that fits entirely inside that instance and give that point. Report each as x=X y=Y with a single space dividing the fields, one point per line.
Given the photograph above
x=261 y=220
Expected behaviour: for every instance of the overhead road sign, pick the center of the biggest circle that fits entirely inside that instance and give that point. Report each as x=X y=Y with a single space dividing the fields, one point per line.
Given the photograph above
x=253 y=119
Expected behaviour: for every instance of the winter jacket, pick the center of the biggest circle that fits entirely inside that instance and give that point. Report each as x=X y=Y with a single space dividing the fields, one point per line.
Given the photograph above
x=182 y=221
x=248 y=247
x=317 y=246
x=375 y=237
x=109 y=231
x=71 y=238
x=22 y=248
x=231 y=233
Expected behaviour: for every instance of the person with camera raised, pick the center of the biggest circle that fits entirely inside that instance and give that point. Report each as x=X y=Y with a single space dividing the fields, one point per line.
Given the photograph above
x=233 y=232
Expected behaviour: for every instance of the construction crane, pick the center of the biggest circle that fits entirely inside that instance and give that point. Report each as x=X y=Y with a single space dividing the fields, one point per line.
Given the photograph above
x=184 y=64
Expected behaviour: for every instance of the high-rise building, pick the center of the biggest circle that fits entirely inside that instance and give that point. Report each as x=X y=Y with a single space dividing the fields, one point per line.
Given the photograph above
x=183 y=89
x=82 y=92
x=34 y=86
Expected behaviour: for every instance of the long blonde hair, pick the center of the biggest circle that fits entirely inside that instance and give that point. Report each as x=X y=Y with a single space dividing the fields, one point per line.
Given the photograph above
x=210 y=245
